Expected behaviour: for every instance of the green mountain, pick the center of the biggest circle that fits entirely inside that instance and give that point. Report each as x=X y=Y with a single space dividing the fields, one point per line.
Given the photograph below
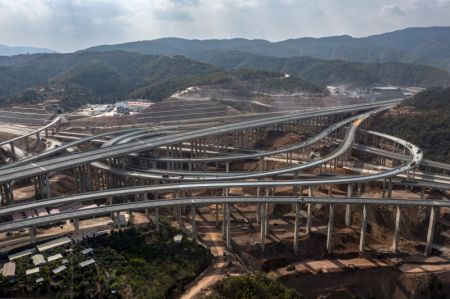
x=336 y=72
x=427 y=125
x=93 y=77
x=426 y=46
x=430 y=42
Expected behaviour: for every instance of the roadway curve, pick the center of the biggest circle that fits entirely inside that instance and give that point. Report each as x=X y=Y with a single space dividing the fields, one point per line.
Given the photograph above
x=189 y=176
x=54 y=121
x=70 y=161
x=63 y=147
x=7 y=210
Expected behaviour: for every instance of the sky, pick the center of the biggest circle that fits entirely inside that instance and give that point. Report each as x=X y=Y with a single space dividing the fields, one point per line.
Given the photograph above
x=69 y=25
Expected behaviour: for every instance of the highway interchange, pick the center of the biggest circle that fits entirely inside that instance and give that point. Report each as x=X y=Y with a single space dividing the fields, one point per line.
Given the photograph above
x=130 y=165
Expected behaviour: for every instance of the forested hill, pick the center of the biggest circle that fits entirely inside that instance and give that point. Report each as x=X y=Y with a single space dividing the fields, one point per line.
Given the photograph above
x=93 y=77
x=424 y=46
x=431 y=100
x=427 y=125
x=334 y=72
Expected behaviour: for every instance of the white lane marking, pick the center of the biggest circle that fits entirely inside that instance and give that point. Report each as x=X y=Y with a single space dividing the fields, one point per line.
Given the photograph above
x=38 y=166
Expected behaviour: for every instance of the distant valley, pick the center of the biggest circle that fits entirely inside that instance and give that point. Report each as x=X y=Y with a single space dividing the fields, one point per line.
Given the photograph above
x=11 y=51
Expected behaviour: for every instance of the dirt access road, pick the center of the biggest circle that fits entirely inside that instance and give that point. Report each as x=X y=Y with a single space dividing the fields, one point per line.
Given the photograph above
x=212 y=237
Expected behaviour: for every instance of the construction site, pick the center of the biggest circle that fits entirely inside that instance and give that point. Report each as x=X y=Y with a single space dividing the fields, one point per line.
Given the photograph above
x=300 y=188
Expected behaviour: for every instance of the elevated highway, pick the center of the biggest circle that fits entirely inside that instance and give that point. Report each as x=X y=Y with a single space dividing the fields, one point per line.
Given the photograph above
x=111 y=160
x=39 y=168
x=53 y=125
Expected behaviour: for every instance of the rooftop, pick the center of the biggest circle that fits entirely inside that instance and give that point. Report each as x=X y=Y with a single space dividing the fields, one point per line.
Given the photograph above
x=32 y=271
x=86 y=251
x=38 y=259
x=54 y=243
x=59 y=269
x=20 y=254
x=54 y=257
x=87 y=263
x=9 y=269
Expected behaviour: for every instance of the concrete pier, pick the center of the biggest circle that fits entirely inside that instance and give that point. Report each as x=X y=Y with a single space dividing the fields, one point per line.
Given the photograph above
x=296 y=226
x=309 y=211
x=330 y=229
x=227 y=226
x=157 y=219
x=193 y=223
x=348 y=208
x=362 y=238
x=33 y=233
x=76 y=226
x=431 y=227
x=263 y=226
x=395 y=241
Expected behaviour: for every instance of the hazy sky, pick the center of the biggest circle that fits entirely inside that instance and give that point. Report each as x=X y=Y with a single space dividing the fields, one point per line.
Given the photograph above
x=68 y=25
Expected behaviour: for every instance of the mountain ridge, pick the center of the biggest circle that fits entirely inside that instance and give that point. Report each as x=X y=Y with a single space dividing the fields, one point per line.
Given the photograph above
x=331 y=72
x=425 y=46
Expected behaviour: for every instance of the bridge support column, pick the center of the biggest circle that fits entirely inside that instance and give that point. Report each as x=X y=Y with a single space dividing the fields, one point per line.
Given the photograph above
x=348 y=208
x=13 y=151
x=179 y=218
x=308 y=218
x=76 y=226
x=258 y=206
x=430 y=234
x=157 y=219
x=330 y=230
x=194 y=226
x=362 y=238
x=117 y=220
x=309 y=212
x=217 y=215
x=45 y=186
x=267 y=215
x=396 y=229
x=224 y=220
x=263 y=226
x=33 y=233
x=296 y=226
x=27 y=144
x=389 y=188
x=6 y=193
x=258 y=213
x=227 y=225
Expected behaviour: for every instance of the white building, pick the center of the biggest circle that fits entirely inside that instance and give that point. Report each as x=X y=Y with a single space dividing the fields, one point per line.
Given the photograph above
x=133 y=105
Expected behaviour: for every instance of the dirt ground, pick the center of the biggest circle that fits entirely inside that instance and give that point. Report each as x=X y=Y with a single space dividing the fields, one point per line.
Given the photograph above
x=379 y=282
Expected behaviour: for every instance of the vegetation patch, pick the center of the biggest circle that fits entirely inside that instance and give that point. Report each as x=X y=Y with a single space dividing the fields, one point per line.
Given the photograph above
x=130 y=264
x=251 y=286
x=427 y=126
x=106 y=77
